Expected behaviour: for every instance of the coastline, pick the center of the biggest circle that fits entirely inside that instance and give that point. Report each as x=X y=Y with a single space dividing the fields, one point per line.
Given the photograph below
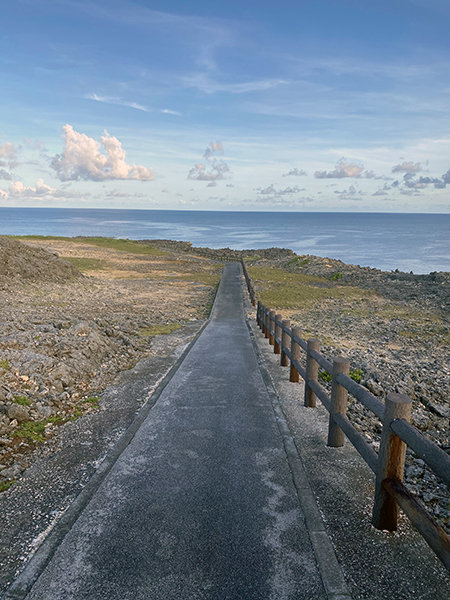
x=418 y=242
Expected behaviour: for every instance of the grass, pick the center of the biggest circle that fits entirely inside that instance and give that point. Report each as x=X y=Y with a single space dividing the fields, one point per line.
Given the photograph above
x=355 y=374
x=86 y=264
x=122 y=245
x=5 y=485
x=336 y=276
x=159 y=329
x=92 y=400
x=299 y=260
x=210 y=279
x=31 y=430
x=22 y=400
x=281 y=289
x=4 y=364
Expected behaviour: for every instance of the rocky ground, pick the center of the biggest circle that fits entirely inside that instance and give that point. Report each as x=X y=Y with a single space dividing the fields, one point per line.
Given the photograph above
x=66 y=332
x=396 y=334
x=75 y=313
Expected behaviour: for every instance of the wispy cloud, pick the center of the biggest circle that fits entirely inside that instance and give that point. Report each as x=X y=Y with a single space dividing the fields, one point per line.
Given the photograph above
x=168 y=111
x=82 y=159
x=118 y=101
x=8 y=155
x=206 y=84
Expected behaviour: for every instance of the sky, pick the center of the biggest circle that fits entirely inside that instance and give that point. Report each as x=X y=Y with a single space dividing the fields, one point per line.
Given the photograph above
x=297 y=105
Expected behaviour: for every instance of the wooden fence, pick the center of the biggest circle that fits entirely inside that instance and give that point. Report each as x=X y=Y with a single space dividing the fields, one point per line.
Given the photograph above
x=397 y=431
x=248 y=281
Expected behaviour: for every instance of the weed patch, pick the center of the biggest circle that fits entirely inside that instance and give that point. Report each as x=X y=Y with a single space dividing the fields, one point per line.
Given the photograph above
x=5 y=485
x=86 y=264
x=159 y=329
x=4 y=364
x=31 y=430
x=22 y=400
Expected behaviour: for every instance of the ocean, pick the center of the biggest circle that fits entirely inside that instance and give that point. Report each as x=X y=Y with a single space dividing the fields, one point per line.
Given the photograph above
x=387 y=241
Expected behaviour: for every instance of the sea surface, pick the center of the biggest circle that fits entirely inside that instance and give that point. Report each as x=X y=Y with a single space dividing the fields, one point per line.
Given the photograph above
x=408 y=242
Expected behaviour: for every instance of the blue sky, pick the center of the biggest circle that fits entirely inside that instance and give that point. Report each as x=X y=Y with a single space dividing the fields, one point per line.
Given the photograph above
x=318 y=105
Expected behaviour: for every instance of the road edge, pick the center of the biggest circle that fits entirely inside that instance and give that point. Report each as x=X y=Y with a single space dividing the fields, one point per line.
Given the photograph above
x=36 y=564
x=330 y=570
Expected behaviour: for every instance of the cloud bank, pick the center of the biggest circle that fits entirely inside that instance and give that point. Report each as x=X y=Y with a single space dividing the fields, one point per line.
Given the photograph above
x=82 y=159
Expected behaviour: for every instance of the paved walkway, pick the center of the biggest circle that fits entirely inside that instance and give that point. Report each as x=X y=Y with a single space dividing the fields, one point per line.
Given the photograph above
x=201 y=504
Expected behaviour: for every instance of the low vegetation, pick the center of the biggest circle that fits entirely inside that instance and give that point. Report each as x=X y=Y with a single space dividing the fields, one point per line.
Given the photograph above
x=159 y=329
x=122 y=245
x=278 y=288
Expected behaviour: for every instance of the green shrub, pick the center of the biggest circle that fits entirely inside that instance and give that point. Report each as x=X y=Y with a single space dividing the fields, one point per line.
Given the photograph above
x=336 y=276
x=31 y=430
x=325 y=376
x=5 y=485
x=356 y=375
x=22 y=400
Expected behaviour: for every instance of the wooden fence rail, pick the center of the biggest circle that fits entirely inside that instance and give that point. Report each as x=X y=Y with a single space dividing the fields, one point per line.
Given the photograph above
x=397 y=431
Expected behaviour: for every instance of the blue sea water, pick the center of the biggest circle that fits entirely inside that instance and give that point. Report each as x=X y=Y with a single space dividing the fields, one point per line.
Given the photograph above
x=408 y=242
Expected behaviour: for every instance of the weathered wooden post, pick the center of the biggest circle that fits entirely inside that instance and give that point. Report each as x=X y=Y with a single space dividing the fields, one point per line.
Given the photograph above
x=391 y=462
x=271 y=327
x=339 y=396
x=312 y=372
x=294 y=375
x=277 y=334
x=267 y=323
x=258 y=309
x=284 y=361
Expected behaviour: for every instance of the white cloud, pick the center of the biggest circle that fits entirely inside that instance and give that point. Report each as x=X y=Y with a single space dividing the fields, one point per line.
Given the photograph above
x=295 y=173
x=407 y=167
x=81 y=159
x=214 y=169
x=18 y=189
x=341 y=170
x=39 y=192
x=272 y=191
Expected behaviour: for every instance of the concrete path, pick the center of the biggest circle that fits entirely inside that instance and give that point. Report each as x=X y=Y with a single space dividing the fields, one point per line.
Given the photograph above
x=201 y=504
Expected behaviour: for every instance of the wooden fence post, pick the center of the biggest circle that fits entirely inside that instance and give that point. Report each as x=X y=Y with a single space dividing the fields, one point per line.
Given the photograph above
x=339 y=396
x=391 y=462
x=271 y=326
x=277 y=334
x=266 y=322
x=284 y=361
x=258 y=309
x=312 y=372
x=294 y=375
